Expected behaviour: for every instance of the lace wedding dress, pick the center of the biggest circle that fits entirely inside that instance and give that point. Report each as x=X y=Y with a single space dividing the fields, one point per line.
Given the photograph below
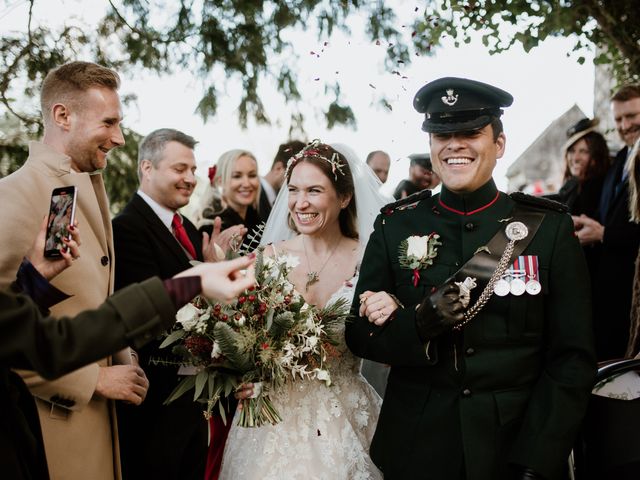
x=325 y=432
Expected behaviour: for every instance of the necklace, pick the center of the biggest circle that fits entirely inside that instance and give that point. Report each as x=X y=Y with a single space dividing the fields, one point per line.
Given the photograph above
x=313 y=276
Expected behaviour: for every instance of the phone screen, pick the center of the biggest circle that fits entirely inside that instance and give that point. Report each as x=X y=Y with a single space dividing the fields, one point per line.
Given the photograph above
x=61 y=215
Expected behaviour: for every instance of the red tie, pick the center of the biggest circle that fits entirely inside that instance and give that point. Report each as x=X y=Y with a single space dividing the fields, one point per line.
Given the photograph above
x=181 y=235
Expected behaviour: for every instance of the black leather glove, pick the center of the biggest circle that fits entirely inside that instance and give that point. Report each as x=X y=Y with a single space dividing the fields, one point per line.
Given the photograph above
x=524 y=473
x=439 y=312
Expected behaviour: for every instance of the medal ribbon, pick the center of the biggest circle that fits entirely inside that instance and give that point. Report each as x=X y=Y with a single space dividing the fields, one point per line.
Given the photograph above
x=531 y=267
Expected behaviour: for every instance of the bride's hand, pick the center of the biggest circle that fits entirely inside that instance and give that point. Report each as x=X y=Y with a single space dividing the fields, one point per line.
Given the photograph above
x=243 y=392
x=378 y=307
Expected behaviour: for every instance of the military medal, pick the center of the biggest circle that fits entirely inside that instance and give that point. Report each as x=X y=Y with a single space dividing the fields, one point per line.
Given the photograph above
x=533 y=286
x=501 y=288
x=517 y=287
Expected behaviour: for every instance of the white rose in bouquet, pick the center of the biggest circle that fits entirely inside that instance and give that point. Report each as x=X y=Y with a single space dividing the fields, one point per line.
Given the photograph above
x=215 y=351
x=188 y=316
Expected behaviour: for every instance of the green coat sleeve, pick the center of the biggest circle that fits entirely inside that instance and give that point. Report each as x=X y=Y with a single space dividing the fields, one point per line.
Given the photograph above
x=395 y=343
x=54 y=347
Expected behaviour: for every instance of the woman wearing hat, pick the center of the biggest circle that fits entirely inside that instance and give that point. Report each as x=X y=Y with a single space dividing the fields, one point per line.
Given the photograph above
x=586 y=163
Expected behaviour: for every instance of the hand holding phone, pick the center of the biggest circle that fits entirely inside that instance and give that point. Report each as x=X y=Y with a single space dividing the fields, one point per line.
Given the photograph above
x=62 y=213
x=51 y=267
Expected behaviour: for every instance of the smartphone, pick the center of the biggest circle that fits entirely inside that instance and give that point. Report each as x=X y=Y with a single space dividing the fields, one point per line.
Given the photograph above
x=62 y=213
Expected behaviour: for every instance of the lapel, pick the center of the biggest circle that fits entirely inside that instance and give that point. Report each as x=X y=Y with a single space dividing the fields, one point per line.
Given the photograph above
x=609 y=195
x=159 y=230
x=92 y=197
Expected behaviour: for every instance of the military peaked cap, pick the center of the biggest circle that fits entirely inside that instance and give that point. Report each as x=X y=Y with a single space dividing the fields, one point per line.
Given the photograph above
x=453 y=104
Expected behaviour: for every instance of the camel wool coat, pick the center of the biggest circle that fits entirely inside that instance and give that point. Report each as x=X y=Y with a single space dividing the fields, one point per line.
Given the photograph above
x=78 y=427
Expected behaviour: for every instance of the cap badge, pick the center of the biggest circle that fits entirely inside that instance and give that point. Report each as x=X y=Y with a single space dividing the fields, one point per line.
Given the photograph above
x=450 y=99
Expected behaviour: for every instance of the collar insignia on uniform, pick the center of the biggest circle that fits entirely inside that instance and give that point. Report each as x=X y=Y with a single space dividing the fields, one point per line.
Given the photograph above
x=450 y=99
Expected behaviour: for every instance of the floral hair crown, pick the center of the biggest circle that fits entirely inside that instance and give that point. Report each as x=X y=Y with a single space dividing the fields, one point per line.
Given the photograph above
x=311 y=150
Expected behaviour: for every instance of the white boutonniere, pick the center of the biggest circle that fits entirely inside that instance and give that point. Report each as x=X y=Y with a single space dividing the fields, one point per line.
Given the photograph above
x=418 y=252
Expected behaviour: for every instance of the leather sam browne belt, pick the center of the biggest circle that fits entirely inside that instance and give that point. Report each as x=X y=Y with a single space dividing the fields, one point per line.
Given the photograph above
x=491 y=260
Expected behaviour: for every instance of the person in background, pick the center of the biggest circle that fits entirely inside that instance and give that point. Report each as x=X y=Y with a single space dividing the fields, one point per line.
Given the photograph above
x=236 y=178
x=271 y=183
x=151 y=238
x=587 y=161
x=132 y=316
x=421 y=176
x=616 y=236
x=380 y=163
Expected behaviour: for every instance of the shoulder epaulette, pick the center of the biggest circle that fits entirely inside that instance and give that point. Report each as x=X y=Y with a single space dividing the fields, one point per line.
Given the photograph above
x=538 y=202
x=406 y=201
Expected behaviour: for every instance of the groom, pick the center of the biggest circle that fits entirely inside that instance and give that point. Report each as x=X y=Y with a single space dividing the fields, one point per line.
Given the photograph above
x=483 y=390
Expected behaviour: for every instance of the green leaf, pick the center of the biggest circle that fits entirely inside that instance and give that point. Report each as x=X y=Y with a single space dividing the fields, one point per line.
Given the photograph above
x=200 y=382
x=184 y=386
x=172 y=338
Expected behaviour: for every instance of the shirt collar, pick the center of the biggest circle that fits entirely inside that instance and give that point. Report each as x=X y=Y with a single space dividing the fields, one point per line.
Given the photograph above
x=164 y=214
x=268 y=189
x=469 y=203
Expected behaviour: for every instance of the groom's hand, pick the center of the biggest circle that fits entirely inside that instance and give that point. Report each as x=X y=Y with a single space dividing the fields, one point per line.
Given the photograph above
x=439 y=312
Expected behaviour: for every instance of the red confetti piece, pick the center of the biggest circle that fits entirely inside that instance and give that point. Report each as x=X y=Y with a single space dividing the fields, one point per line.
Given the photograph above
x=414 y=33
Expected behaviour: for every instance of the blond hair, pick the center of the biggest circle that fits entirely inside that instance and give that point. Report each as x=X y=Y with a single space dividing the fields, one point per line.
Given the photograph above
x=65 y=83
x=224 y=171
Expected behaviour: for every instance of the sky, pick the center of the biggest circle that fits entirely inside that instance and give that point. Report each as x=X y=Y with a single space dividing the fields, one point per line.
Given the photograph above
x=544 y=82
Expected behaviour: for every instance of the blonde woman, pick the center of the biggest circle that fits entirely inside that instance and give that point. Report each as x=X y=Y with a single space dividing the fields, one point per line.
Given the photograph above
x=236 y=183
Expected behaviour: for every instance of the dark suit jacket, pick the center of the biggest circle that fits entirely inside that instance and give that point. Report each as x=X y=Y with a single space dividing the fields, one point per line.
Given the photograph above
x=130 y=316
x=264 y=205
x=513 y=384
x=612 y=279
x=157 y=441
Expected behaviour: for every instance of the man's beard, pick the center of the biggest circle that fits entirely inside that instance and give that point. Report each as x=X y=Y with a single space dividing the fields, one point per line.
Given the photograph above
x=634 y=131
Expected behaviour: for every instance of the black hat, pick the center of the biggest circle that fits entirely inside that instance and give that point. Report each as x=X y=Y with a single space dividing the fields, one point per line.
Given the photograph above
x=422 y=159
x=578 y=130
x=453 y=104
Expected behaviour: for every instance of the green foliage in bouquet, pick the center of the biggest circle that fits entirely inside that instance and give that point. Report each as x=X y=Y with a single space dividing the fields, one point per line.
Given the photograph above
x=268 y=336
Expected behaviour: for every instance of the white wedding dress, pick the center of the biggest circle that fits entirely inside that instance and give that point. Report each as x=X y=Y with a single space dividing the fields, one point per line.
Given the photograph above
x=325 y=432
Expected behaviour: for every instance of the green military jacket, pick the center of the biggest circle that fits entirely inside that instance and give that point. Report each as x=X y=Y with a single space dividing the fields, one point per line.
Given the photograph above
x=512 y=386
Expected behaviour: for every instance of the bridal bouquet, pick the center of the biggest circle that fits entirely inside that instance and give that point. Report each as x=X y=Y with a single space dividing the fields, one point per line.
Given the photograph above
x=269 y=336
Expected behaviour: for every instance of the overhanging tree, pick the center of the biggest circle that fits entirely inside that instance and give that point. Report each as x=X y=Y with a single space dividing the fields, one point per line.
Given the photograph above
x=246 y=41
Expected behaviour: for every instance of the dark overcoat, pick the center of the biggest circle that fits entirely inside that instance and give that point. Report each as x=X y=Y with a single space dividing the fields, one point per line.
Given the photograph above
x=512 y=386
x=613 y=274
x=157 y=441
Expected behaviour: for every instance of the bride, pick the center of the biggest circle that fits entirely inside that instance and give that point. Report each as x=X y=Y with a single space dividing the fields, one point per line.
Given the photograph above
x=325 y=217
